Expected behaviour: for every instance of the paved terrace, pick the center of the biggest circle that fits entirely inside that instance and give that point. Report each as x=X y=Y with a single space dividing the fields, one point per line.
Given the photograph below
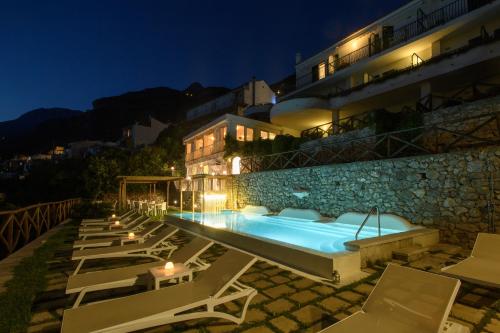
x=286 y=302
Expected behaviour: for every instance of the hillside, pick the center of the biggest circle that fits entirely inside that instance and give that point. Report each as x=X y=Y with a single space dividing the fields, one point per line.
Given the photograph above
x=28 y=121
x=105 y=120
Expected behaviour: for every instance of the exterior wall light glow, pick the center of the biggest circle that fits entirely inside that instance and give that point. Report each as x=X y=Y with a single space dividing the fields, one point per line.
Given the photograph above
x=131 y=235
x=113 y=216
x=117 y=222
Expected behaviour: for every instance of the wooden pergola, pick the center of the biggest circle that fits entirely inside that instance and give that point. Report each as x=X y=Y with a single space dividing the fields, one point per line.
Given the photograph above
x=151 y=180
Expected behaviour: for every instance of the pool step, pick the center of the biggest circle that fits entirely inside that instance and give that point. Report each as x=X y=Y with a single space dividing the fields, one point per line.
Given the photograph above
x=410 y=253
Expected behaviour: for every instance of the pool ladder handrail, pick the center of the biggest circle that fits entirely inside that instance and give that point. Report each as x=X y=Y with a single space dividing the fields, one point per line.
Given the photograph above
x=374 y=209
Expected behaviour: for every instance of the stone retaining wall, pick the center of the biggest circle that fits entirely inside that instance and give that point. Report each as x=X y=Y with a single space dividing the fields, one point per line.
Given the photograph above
x=451 y=192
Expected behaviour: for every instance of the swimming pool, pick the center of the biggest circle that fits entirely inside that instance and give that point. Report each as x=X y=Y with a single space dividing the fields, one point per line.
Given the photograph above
x=326 y=238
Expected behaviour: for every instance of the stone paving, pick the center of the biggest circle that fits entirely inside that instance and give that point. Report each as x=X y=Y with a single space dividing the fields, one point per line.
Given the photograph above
x=286 y=302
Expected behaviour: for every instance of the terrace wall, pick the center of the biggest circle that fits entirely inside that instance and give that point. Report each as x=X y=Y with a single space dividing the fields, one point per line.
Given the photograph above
x=458 y=193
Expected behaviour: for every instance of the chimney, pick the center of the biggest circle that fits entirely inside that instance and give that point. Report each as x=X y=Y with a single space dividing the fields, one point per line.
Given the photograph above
x=298 y=58
x=253 y=90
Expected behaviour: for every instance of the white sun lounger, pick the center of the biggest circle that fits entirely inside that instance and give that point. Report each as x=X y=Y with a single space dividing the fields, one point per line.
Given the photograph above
x=131 y=275
x=217 y=285
x=106 y=225
x=149 y=249
x=483 y=265
x=139 y=236
x=134 y=226
x=107 y=219
x=405 y=300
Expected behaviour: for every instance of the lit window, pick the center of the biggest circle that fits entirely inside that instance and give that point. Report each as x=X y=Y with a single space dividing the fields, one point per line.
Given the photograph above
x=264 y=135
x=331 y=67
x=208 y=139
x=188 y=148
x=272 y=135
x=321 y=71
x=249 y=134
x=223 y=132
x=240 y=132
x=199 y=144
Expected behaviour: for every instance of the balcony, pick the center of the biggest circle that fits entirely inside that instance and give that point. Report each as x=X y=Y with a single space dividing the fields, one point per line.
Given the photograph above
x=403 y=34
x=206 y=151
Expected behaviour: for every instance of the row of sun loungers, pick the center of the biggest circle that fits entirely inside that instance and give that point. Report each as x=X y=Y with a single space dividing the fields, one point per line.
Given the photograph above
x=405 y=300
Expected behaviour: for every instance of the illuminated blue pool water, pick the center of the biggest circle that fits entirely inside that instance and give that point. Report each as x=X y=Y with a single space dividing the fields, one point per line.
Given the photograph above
x=321 y=237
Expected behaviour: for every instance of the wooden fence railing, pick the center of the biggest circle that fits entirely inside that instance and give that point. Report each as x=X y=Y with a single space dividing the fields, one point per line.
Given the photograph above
x=21 y=226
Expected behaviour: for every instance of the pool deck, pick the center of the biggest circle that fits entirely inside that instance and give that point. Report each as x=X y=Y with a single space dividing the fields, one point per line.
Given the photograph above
x=286 y=302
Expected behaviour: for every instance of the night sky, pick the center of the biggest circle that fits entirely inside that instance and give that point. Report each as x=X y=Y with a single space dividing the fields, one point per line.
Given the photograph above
x=68 y=53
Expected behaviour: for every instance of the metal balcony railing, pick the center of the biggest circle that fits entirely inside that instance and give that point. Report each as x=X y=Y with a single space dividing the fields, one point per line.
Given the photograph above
x=424 y=23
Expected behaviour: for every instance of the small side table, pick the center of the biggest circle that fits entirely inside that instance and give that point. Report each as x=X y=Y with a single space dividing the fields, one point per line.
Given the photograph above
x=135 y=239
x=179 y=271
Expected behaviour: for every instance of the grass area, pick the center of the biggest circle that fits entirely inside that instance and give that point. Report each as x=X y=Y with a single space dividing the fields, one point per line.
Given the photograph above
x=29 y=279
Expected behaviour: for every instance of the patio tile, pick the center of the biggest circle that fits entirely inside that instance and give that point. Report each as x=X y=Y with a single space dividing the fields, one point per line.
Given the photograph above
x=259 y=329
x=279 y=306
x=309 y=314
x=341 y=315
x=285 y=324
x=272 y=271
x=304 y=296
x=467 y=313
x=353 y=309
x=221 y=326
x=302 y=283
x=364 y=289
x=262 y=284
x=350 y=296
x=323 y=290
x=247 y=278
x=255 y=315
x=278 y=291
x=258 y=299
x=334 y=304
x=278 y=279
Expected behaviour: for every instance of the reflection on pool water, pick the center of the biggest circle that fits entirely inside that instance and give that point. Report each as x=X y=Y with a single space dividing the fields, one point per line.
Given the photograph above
x=321 y=237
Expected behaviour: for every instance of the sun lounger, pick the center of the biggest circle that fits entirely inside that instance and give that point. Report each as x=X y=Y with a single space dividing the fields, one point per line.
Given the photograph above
x=191 y=300
x=149 y=249
x=105 y=225
x=135 y=226
x=107 y=219
x=405 y=300
x=139 y=237
x=483 y=265
x=131 y=275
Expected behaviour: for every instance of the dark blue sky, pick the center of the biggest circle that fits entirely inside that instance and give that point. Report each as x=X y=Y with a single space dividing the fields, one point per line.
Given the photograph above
x=68 y=53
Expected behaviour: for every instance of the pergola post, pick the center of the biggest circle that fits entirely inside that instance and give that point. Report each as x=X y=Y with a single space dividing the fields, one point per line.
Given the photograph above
x=124 y=194
x=180 y=189
x=168 y=194
x=192 y=195
x=120 y=189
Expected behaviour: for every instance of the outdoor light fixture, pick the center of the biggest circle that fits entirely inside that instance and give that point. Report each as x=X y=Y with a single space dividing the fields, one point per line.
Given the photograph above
x=213 y=173
x=113 y=216
x=188 y=178
x=175 y=202
x=117 y=222
x=224 y=172
x=131 y=235
x=169 y=267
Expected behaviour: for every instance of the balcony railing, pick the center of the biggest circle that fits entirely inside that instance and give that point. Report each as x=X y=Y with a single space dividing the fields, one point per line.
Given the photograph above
x=205 y=151
x=424 y=23
x=344 y=125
